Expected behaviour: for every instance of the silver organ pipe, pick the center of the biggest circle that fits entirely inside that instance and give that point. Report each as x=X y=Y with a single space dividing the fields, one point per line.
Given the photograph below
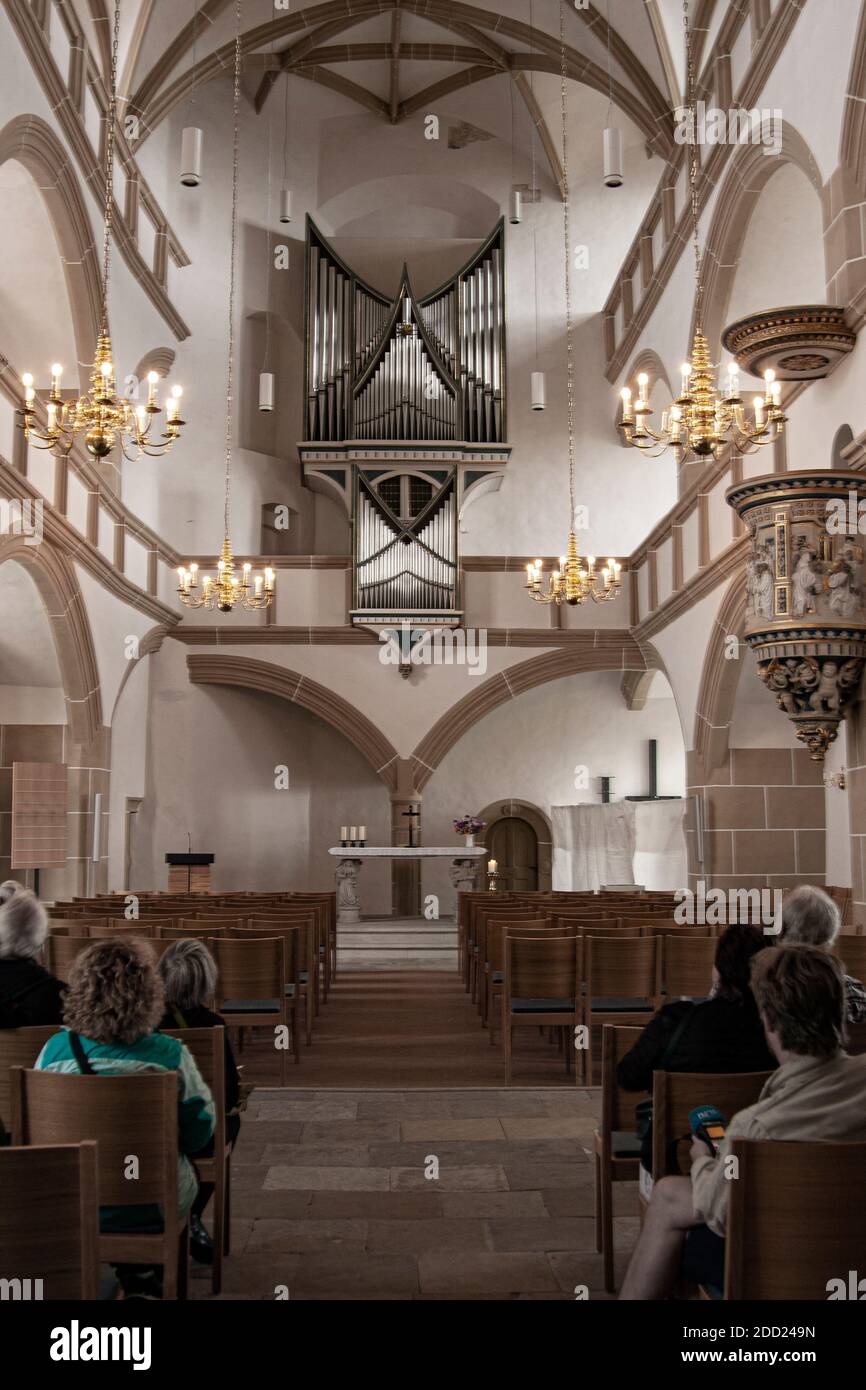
x=406 y=567
x=401 y=368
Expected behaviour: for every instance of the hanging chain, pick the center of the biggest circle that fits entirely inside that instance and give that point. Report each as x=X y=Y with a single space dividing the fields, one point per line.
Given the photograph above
x=109 y=168
x=693 y=166
x=566 y=231
x=230 y=370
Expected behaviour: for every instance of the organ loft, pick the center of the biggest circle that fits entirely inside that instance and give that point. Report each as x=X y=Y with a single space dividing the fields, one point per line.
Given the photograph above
x=405 y=423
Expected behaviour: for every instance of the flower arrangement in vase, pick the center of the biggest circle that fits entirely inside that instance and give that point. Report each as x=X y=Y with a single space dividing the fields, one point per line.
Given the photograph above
x=469 y=826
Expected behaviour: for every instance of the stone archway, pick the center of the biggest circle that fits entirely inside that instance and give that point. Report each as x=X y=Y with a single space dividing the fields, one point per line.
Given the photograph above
x=33 y=144
x=82 y=743
x=56 y=582
x=720 y=678
x=748 y=173
x=614 y=650
x=218 y=669
x=498 y=811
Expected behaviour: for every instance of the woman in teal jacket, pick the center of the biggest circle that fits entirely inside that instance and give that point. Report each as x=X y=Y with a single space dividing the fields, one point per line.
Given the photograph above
x=113 y=1004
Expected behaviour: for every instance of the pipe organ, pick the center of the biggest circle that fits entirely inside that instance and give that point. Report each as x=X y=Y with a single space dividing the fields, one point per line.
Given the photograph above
x=405 y=368
x=405 y=569
x=404 y=421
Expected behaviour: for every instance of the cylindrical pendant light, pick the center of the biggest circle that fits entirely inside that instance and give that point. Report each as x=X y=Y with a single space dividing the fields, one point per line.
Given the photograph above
x=538 y=391
x=190 y=156
x=612 y=157
x=285 y=205
x=516 y=213
x=266 y=390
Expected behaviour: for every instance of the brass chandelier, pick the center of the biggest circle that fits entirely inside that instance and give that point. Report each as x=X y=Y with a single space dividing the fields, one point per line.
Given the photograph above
x=100 y=417
x=575 y=581
x=704 y=418
x=227 y=589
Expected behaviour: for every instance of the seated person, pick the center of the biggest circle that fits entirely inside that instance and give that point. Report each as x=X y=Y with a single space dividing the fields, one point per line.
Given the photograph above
x=8 y=888
x=189 y=976
x=810 y=916
x=113 y=1005
x=29 y=995
x=722 y=1033
x=816 y=1094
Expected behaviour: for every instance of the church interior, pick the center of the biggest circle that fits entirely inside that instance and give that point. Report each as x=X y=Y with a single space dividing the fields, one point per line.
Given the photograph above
x=432 y=628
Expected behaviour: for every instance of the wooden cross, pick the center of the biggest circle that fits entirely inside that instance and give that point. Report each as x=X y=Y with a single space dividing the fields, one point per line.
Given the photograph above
x=417 y=815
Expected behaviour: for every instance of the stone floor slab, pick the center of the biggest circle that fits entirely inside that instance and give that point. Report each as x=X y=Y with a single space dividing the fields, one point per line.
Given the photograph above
x=450 y=1180
x=307 y=1235
x=485 y=1273
x=433 y=1130
x=281 y=1178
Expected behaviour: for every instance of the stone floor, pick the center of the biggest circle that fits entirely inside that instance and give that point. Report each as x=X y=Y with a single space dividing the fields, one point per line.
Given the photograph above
x=332 y=1199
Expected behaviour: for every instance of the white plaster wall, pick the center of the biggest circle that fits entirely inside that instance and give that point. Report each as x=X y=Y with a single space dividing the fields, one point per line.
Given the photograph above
x=529 y=749
x=112 y=624
x=32 y=704
x=836 y=810
x=129 y=740
x=210 y=773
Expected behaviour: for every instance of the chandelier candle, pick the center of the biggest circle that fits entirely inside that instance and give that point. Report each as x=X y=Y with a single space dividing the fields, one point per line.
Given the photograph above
x=573 y=583
x=100 y=418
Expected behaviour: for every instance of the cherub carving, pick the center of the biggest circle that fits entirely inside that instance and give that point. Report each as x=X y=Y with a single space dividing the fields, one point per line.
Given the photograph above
x=825 y=698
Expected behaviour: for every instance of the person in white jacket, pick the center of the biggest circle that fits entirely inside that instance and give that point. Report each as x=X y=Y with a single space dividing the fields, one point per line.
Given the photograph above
x=818 y=1093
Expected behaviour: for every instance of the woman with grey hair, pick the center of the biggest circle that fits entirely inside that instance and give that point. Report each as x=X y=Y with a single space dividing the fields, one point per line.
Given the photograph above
x=811 y=918
x=189 y=978
x=29 y=995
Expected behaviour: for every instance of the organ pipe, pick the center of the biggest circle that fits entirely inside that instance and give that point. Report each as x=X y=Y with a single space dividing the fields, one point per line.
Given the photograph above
x=404 y=368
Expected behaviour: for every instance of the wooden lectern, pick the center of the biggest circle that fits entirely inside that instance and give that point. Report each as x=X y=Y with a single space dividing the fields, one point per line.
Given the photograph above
x=189 y=873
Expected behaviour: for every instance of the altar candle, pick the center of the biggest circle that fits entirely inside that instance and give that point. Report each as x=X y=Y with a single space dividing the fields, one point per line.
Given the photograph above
x=352 y=835
x=344 y=832
x=362 y=832
x=491 y=866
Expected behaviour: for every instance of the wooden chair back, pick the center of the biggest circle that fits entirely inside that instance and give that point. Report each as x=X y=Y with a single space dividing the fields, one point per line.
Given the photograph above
x=539 y=968
x=249 y=968
x=617 y=1105
x=851 y=951
x=125 y=1115
x=60 y=952
x=19 y=1047
x=675 y=1093
x=117 y=927
x=197 y=931
x=796 y=1220
x=687 y=966
x=621 y=967
x=49 y=1219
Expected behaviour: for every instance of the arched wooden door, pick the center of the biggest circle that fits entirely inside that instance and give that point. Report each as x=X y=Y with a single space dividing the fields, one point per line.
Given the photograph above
x=513 y=843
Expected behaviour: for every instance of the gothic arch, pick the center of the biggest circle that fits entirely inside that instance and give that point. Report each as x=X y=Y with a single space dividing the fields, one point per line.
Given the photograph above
x=749 y=171
x=57 y=584
x=248 y=674
x=32 y=143
x=608 y=651
x=852 y=143
x=720 y=678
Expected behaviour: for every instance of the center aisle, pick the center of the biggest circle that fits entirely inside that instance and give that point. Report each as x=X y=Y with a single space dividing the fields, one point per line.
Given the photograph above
x=405 y=1028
